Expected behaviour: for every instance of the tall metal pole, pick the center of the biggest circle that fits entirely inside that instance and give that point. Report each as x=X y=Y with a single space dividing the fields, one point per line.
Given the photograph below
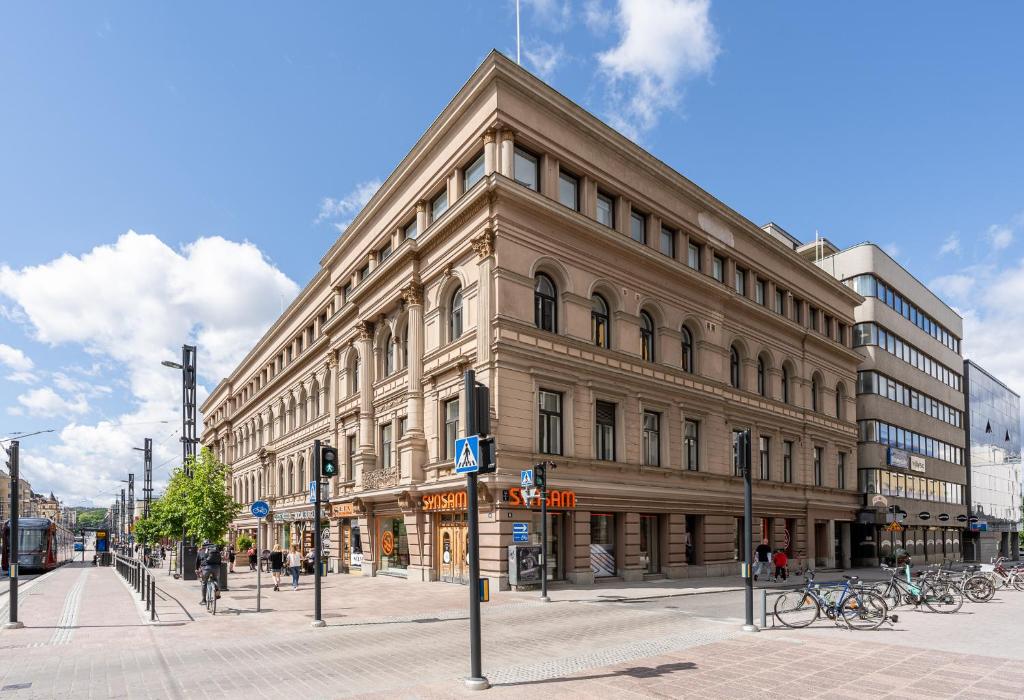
x=123 y=512
x=147 y=476
x=476 y=679
x=131 y=502
x=12 y=550
x=748 y=523
x=544 y=536
x=259 y=565
x=317 y=617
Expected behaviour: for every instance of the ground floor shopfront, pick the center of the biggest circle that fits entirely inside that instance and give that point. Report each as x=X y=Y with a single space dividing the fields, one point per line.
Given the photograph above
x=876 y=543
x=424 y=536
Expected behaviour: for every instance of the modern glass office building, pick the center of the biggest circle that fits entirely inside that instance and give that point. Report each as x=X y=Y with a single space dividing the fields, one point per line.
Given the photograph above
x=994 y=466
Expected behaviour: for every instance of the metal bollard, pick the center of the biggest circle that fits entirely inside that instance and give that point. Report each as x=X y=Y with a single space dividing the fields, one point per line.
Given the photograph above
x=142 y=584
x=152 y=595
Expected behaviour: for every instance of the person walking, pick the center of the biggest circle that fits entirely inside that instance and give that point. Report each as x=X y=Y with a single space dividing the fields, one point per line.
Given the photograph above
x=762 y=559
x=294 y=564
x=781 y=561
x=252 y=557
x=277 y=565
x=231 y=559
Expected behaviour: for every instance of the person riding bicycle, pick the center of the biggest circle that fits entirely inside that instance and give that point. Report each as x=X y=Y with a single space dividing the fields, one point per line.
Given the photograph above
x=207 y=566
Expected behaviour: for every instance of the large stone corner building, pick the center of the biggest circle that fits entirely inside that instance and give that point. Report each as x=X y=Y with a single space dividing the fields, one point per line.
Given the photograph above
x=627 y=323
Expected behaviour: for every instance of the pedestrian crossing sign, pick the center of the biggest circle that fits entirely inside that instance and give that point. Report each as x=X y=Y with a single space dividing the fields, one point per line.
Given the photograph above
x=467 y=450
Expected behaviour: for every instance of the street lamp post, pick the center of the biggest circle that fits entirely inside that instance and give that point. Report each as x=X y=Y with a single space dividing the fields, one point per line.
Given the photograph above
x=188 y=424
x=743 y=455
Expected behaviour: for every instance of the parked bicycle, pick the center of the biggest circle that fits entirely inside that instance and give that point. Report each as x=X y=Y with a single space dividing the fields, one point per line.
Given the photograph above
x=900 y=589
x=1002 y=577
x=977 y=587
x=844 y=601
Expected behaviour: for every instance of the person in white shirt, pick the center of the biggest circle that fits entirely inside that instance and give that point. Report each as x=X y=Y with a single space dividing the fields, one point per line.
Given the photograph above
x=294 y=563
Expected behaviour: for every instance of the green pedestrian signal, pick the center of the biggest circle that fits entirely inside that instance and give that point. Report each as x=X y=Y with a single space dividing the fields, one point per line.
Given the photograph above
x=328 y=461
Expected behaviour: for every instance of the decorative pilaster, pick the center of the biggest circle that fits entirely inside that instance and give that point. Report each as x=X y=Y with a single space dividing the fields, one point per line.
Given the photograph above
x=507 y=153
x=490 y=155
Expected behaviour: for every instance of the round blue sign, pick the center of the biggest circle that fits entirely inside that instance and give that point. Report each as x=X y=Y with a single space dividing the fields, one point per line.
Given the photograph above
x=259 y=509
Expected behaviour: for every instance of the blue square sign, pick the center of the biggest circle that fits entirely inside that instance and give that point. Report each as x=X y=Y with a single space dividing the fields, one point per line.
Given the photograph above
x=521 y=527
x=467 y=451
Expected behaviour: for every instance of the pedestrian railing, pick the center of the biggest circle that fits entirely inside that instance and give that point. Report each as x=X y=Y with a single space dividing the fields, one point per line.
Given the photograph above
x=140 y=578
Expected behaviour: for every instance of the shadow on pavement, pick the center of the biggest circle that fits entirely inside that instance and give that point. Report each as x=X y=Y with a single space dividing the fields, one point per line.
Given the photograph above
x=632 y=672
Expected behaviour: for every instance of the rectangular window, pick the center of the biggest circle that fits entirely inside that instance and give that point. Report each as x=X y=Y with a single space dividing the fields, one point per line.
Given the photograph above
x=817 y=466
x=569 y=190
x=841 y=470
x=473 y=173
x=798 y=311
x=385 y=445
x=439 y=205
x=693 y=255
x=787 y=461
x=604 y=433
x=346 y=291
x=364 y=272
x=718 y=268
x=668 y=242
x=780 y=301
x=352 y=442
x=812 y=318
x=384 y=253
x=403 y=426
x=766 y=458
x=638 y=227
x=550 y=419
x=605 y=210
x=691 y=445
x=526 y=170
x=451 y=427
x=760 y=290
x=740 y=281
x=411 y=231
x=652 y=438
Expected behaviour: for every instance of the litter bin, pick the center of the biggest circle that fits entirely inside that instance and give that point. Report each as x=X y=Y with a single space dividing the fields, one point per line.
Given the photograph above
x=188 y=571
x=222 y=577
x=524 y=568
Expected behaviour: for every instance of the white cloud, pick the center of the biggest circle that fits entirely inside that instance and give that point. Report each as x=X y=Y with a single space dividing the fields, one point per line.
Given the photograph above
x=556 y=15
x=347 y=207
x=1000 y=236
x=953 y=288
x=15 y=359
x=597 y=16
x=544 y=57
x=663 y=43
x=45 y=402
x=130 y=305
x=950 y=245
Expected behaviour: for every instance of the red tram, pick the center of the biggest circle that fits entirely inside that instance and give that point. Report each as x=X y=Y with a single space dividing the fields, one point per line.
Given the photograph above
x=42 y=544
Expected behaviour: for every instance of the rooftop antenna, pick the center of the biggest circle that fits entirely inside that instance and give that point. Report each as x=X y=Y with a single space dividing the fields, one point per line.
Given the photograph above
x=518 y=62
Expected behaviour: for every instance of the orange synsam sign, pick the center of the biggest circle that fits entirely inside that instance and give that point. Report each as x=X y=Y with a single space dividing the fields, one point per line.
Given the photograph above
x=556 y=499
x=447 y=500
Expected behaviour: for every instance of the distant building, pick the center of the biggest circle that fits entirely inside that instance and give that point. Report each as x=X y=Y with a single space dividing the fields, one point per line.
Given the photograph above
x=993 y=466
x=910 y=408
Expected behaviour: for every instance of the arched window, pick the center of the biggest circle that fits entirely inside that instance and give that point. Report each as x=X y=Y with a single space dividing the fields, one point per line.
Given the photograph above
x=355 y=375
x=734 y=367
x=455 y=316
x=687 y=350
x=316 y=399
x=785 y=384
x=646 y=337
x=405 y=348
x=291 y=477
x=291 y=413
x=762 y=378
x=389 y=355
x=302 y=474
x=545 y=311
x=815 y=393
x=840 y=401
x=280 y=481
x=303 y=401
x=599 y=321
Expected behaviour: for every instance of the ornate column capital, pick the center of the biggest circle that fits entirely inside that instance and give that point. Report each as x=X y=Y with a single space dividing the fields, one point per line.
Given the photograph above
x=490 y=136
x=364 y=330
x=412 y=294
x=421 y=206
x=484 y=243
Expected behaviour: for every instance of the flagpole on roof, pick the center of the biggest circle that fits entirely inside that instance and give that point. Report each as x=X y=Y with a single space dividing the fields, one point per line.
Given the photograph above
x=517 y=33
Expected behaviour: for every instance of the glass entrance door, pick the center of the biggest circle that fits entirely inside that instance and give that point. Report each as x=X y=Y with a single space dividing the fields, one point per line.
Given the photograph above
x=452 y=549
x=649 y=544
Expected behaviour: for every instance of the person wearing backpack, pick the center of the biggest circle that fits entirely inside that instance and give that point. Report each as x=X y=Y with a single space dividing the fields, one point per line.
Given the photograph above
x=207 y=565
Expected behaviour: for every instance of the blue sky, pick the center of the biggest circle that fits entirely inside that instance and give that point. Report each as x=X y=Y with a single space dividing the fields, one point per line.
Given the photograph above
x=235 y=138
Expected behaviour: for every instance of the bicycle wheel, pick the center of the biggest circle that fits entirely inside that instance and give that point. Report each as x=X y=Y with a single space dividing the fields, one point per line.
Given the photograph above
x=864 y=610
x=1018 y=582
x=796 y=609
x=890 y=593
x=979 y=589
x=942 y=598
x=211 y=597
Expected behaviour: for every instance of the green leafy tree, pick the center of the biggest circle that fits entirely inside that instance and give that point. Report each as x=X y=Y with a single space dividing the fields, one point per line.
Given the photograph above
x=169 y=510
x=209 y=508
x=147 y=530
x=244 y=542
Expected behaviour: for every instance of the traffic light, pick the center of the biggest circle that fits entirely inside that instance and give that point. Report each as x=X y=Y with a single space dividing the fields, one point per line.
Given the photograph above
x=540 y=475
x=328 y=461
x=487 y=461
